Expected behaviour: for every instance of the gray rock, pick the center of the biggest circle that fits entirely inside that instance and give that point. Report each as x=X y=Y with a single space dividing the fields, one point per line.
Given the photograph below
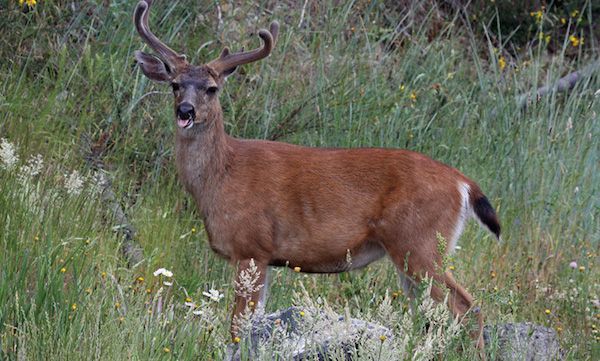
x=323 y=336
x=521 y=341
x=328 y=334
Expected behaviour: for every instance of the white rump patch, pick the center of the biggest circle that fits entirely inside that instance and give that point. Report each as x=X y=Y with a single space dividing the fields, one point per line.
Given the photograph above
x=465 y=213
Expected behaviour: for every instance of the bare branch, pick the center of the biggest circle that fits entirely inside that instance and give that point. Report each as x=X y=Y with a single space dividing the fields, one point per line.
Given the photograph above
x=563 y=84
x=302 y=14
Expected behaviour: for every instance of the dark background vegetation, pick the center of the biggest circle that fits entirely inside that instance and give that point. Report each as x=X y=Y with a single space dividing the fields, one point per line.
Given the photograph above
x=444 y=78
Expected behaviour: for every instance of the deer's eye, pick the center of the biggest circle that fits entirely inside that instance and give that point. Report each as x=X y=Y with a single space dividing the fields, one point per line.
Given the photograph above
x=212 y=90
x=175 y=86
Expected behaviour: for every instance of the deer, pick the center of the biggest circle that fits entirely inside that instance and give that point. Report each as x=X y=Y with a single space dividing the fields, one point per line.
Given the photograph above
x=272 y=204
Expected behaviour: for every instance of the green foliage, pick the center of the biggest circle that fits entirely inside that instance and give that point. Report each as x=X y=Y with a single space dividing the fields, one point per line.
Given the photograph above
x=342 y=75
x=541 y=23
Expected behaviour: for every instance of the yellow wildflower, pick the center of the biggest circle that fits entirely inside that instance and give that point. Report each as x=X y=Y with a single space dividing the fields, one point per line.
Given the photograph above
x=574 y=41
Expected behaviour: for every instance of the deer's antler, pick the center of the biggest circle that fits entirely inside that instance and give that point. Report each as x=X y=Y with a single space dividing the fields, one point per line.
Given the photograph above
x=228 y=60
x=170 y=57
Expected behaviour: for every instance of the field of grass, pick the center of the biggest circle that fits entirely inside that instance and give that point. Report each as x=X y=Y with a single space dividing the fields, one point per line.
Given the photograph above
x=75 y=108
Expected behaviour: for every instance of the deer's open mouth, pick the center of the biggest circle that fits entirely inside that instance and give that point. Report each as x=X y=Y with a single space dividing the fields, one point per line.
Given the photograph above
x=185 y=123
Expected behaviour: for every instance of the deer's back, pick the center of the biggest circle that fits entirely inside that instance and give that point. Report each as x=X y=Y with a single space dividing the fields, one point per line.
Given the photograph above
x=280 y=200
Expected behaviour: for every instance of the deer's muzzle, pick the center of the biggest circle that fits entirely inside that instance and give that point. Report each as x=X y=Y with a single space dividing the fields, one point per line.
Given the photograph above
x=185 y=115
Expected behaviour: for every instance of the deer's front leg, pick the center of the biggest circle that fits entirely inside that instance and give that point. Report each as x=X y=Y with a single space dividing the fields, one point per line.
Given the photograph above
x=250 y=288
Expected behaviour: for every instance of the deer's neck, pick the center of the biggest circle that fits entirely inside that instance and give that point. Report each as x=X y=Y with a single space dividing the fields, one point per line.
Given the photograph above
x=202 y=155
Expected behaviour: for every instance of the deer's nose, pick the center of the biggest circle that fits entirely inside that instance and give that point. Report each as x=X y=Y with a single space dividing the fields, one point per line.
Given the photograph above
x=186 y=111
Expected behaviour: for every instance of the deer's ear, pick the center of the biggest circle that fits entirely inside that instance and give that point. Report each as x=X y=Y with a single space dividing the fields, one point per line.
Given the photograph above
x=228 y=72
x=152 y=67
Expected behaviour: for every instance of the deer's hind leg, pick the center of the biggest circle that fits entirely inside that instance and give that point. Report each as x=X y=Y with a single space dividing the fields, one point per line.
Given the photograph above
x=423 y=261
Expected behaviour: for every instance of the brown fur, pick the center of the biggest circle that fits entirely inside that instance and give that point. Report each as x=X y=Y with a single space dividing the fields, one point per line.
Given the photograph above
x=281 y=204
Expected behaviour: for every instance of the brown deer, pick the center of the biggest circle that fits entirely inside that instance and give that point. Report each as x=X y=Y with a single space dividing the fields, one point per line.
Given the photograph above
x=278 y=204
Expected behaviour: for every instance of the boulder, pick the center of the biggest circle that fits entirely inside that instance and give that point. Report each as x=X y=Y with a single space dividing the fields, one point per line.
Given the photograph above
x=522 y=341
x=296 y=336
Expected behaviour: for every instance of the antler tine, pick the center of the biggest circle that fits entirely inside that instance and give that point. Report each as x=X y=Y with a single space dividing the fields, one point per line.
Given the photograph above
x=227 y=60
x=140 y=18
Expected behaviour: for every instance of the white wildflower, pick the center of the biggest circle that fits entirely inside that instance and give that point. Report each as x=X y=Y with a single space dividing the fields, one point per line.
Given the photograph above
x=164 y=272
x=214 y=295
x=198 y=312
x=247 y=282
x=8 y=154
x=74 y=183
x=168 y=284
x=190 y=304
x=98 y=183
x=427 y=305
x=32 y=168
x=386 y=313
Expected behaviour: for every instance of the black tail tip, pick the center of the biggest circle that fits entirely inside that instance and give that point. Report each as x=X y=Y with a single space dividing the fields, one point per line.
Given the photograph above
x=487 y=215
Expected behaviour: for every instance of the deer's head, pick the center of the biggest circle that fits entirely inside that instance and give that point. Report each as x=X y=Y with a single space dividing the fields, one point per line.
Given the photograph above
x=195 y=88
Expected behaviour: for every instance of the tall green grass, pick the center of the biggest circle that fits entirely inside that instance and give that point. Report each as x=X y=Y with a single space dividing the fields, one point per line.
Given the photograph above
x=344 y=77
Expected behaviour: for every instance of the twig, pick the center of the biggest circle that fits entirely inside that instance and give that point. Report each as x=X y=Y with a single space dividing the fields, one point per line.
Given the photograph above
x=302 y=14
x=402 y=31
x=145 y=95
x=219 y=17
x=130 y=248
x=280 y=130
x=563 y=84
